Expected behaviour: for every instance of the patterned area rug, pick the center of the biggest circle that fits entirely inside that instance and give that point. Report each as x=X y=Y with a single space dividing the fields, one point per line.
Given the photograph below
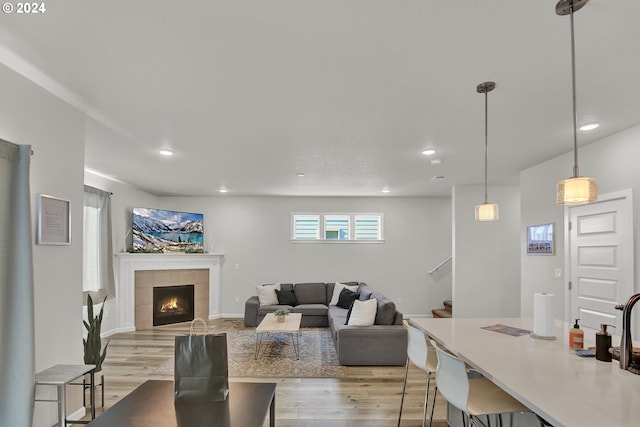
x=277 y=356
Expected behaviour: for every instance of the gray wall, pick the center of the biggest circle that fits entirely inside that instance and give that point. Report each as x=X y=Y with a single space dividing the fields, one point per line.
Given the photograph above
x=613 y=162
x=31 y=115
x=486 y=260
x=253 y=233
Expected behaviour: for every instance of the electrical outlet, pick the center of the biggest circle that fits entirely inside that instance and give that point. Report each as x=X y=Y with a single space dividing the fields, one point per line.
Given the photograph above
x=237 y=300
x=237 y=266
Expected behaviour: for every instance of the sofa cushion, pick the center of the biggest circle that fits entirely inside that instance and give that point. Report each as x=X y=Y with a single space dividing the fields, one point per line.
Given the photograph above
x=310 y=293
x=362 y=313
x=386 y=310
x=286 y=286
x=264 y=309
x=267 y=294
x=337 y=316
x=346 y=298
x=286 y=297
x=365 y=292
x=338 y=288
x=310 y=309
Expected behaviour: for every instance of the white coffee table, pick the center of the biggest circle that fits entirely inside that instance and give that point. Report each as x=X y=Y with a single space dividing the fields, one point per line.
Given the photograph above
x=291 y=326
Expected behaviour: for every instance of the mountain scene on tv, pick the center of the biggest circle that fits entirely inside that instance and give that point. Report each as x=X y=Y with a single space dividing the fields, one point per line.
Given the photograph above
x=162 y=231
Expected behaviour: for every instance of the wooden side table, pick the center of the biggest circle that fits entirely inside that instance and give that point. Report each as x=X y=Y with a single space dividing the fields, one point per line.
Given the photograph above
x=60 y=376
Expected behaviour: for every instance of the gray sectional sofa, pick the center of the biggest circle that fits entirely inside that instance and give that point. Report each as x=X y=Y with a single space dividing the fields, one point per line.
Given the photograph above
x=383 y=343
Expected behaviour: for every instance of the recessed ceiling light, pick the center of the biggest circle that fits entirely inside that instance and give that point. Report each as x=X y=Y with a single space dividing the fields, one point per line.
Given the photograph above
x=436 y=161
x=386 y=190
x=166 y=153
x=300 y=174
x=590 y=126
x=428 y=151
x=223 y=190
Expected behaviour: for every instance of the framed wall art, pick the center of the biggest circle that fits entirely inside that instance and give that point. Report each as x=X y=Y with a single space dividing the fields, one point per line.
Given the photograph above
x=540 y=239
x=54 y=221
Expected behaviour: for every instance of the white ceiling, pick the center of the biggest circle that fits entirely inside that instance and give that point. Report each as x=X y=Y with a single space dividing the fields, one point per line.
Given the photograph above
x=247 y=93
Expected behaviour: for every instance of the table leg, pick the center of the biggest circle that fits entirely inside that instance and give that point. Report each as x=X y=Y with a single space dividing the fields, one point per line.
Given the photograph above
x=296 y=344
x=272 y=411
x=92 y=394
x=62 y=405
x=259 y=337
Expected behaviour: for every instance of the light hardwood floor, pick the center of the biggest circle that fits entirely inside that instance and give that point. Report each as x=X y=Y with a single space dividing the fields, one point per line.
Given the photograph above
x=367 y=396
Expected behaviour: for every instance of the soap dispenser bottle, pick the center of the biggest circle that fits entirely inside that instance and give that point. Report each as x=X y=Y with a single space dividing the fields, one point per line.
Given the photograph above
x=576 y=337
x=603 y=344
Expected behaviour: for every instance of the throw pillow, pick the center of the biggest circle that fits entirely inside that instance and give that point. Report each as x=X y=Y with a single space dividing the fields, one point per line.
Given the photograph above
x=286 y=298
x=362 y=313
x=365 y=293
x=267 y=294
x=337 y=289
x=346 y=298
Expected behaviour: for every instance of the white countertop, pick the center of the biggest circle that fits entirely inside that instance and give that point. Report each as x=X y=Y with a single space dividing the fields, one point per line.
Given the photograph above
x=546 y=376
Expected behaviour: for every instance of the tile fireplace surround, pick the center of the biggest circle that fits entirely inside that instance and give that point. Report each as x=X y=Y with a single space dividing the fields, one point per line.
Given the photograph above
x=140 y=270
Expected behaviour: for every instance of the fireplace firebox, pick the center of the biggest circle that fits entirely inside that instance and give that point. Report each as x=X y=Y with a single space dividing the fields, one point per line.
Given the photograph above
x=173 y=304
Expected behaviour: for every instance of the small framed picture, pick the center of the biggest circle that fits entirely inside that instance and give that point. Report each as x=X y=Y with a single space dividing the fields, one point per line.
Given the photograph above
x=540 y=239
x=54 y=221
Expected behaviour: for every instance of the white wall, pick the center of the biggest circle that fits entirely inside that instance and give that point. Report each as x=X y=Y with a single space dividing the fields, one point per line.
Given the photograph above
x=613 y=162
x=486 y=255
x=122 y=199
x=254 y=234
x=30 y=115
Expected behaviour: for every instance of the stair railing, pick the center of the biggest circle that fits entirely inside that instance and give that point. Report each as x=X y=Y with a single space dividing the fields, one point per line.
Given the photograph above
x=437 y=267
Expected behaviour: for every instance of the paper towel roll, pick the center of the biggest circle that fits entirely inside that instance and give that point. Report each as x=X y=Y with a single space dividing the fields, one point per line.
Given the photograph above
x=543 y=326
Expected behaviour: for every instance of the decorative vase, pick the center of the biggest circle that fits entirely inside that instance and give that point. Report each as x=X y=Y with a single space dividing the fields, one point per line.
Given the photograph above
x=280 y=319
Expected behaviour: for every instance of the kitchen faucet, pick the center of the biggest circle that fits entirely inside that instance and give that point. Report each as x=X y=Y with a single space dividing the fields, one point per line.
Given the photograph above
x=626 y=345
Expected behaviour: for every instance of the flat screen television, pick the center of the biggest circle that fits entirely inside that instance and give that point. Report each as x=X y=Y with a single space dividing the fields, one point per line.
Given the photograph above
x=163 y=231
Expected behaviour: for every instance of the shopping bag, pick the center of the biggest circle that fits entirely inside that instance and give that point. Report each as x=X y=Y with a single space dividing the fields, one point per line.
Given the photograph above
x=201 y=372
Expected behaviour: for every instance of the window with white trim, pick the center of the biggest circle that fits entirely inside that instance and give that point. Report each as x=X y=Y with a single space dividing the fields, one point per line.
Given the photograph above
x=337 y=227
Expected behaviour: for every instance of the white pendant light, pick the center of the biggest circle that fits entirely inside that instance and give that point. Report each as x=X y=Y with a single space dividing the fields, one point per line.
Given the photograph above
x=486 y=211
x=577 y=190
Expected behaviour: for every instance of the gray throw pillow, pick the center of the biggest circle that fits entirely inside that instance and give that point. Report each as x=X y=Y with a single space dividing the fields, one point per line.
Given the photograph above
x=365 y=293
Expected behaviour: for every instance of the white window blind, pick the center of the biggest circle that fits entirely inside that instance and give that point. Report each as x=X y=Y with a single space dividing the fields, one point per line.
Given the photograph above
x=368 y=227
x=91 y=247
x=337 y=227
x=97 y=244
x=306 y=227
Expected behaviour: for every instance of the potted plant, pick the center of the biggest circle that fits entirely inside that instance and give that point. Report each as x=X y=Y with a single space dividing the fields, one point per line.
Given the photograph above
x=94 y=354
x=280 y=314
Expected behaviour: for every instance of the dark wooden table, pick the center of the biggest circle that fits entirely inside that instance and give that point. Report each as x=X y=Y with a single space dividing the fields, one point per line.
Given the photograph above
x=152 y=404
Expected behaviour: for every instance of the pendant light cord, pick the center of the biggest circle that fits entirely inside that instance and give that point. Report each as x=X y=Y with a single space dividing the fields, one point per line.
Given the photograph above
x=573 y=83
x=486 y=143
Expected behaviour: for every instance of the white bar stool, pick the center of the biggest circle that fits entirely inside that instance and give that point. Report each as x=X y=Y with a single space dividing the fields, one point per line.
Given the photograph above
x=473 y=396
x=423 y=355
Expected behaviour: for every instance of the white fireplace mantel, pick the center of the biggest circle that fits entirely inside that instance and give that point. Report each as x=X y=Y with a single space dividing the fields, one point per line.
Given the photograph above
x=126 y=264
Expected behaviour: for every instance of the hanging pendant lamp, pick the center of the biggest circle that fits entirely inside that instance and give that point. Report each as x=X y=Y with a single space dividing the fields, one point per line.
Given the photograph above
x=577 y=190
x=486 y=211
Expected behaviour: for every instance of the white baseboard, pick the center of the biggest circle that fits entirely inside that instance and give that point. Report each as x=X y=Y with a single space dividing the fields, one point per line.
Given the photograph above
x=77 y=414
x=116 y=331
x=232 y=316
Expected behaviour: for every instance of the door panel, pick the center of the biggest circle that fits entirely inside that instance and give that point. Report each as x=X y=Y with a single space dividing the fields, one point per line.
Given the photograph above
x=597 y=256
x=601 y=242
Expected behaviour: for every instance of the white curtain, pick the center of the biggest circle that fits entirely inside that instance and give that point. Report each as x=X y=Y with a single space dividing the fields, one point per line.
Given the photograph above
x=98 y=247
x=17 y=353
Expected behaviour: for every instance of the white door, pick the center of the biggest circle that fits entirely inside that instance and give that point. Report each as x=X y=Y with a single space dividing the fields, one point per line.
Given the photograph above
x=602 y=272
